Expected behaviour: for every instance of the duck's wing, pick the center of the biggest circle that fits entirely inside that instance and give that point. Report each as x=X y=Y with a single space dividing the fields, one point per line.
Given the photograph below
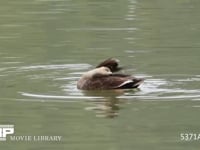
x=131 y=83
x=126 y=81
x=116 y=81
x=111 y=63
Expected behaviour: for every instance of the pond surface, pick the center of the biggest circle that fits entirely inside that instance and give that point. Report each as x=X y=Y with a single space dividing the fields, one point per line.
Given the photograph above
x=45 y=46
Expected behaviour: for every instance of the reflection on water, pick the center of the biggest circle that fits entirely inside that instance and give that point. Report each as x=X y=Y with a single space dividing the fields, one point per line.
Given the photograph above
x=108 y=108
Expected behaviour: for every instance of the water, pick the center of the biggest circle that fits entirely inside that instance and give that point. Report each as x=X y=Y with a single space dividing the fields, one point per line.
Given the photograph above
x=45 y=46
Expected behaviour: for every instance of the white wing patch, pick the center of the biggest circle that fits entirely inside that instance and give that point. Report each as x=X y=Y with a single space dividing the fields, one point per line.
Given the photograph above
x=125 y=82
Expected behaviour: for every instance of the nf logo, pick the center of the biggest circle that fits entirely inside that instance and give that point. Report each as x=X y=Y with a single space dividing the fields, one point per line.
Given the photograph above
x=5 y=130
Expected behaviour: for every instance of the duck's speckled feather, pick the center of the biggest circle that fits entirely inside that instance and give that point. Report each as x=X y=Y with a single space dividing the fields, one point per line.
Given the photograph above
x=114 y=81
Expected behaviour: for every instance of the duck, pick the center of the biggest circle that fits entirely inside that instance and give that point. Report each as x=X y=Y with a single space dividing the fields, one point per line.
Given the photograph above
x=103 y=77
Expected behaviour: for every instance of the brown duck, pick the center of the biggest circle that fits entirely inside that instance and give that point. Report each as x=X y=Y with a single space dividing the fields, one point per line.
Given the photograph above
x=104 y=78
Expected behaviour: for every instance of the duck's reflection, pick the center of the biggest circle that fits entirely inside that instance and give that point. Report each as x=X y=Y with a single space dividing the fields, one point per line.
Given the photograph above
x=108 y=106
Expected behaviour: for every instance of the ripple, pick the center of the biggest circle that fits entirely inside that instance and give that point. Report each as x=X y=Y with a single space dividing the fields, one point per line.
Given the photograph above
x=52 y=67
x=41 y=12
x=7 y=63
x=99 y=29
x=163 y=89
x=58 y=96
x=152 y=89
x=67 y=78
x=189 y=79
x=156 y=87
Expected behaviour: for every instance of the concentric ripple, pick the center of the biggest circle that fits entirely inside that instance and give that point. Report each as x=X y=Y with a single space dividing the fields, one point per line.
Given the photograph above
x=154 y=88
x=59 y=83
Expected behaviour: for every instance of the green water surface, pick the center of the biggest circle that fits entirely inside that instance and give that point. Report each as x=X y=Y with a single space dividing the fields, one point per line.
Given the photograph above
x=45 y=46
